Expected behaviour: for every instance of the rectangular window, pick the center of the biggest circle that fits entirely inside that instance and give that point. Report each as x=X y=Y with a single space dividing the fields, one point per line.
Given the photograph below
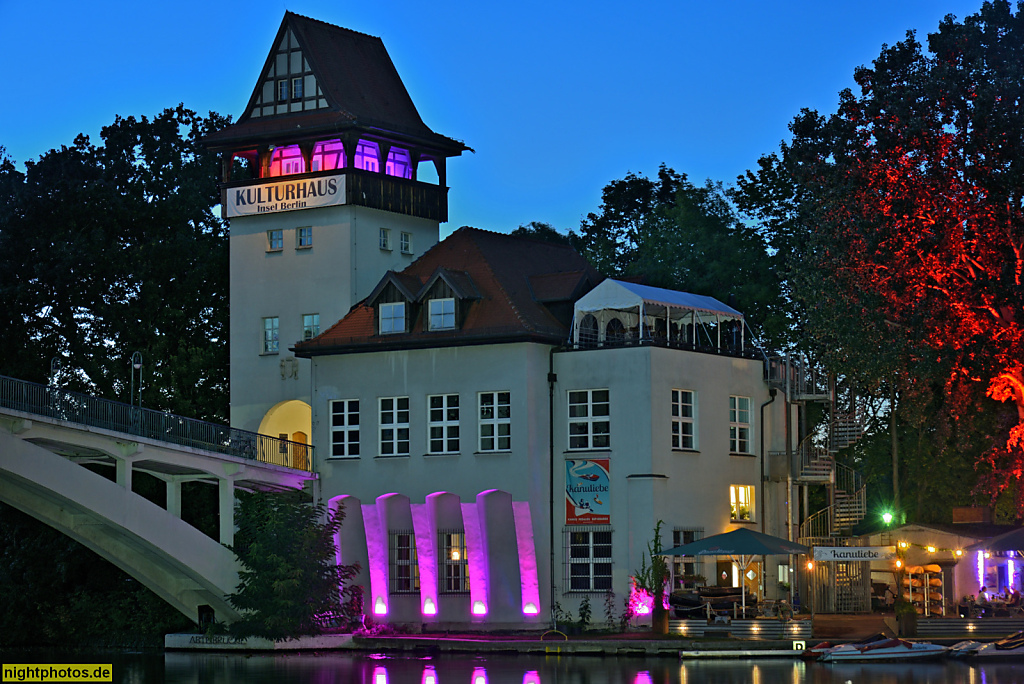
x=345 y=428
x=686 y=571
x=684 y=419
x=589 y=427
x=442 y=314
x=297 y=88
x=405 y=571
x=385 y=239
x=392 y=317
x=405 y=243
x=589 y=555
x=394 y=426
x=282 y=91
x=310 y=326
x=270 y=328
x=739 y=425
x=275 y=240
x=495 y=421
x=453 y=569
x=443 y=424
x=741 y=502
x=304 y=237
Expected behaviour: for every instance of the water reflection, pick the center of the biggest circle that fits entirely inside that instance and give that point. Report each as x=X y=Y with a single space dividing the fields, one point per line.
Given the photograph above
x=335 y=668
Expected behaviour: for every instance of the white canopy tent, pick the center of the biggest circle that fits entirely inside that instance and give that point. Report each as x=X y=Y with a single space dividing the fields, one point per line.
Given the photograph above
x=640 y=309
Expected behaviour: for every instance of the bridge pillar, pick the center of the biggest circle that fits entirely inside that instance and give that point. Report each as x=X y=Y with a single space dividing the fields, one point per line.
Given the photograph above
x=174 y=498
x=226 y=487
x=124 y=473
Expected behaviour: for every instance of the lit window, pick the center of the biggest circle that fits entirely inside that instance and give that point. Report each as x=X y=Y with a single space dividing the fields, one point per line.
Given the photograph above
x=739 y=425
x=304 y=237
x=367 y=156
x=589 y=555
x=589 y=427
x=282 y=91
x=684 y=425
x=495 y=421
x=297 y=88
x=392 y=317
x=385 y=239
x=405 y=243
x=405 y=571
x=275 y=240
x=686 y=570
x=345 y=428
x=287 y=160
x=741 y=502
x=442 y=314
x=270 y=328
x=454 y=565
x=310 y=326
x=394 y=426
x=443 y=424
x=399 y=164
x=328 y=155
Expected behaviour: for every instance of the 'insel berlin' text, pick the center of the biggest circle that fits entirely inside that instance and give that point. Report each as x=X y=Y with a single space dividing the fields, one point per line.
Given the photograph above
x=283 y=192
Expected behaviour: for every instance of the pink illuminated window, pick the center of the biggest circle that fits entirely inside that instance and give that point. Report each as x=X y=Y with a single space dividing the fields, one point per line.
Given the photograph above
x=328 y=155
x=287 y=161
x=367 y=158
x=399 y=163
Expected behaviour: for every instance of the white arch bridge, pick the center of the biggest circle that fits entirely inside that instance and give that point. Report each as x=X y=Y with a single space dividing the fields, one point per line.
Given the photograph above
x=48 y=434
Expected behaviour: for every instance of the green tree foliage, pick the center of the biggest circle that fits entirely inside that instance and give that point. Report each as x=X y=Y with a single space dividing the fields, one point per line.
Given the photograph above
x=111 y=249
x=675 y=235
x=904 y=212
x=291 y=583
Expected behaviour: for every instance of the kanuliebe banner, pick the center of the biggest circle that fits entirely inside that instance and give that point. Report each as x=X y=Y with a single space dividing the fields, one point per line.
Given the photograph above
x=587 y=492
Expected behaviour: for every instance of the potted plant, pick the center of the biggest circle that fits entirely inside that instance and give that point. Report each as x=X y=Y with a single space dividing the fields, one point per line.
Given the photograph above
x=906 y=618
x=651 y=579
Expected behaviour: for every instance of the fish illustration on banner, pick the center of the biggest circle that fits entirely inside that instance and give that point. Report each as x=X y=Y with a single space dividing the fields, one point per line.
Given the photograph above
x=587 y=492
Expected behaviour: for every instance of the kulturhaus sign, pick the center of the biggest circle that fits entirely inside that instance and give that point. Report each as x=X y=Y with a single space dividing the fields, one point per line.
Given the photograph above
x=854 y=553
x=268 y=198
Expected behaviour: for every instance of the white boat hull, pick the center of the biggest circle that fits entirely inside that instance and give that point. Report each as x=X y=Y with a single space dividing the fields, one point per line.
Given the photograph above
x=893 y=649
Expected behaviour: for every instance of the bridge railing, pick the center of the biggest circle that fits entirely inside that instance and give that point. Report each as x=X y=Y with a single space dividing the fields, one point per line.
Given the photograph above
x=73 y=407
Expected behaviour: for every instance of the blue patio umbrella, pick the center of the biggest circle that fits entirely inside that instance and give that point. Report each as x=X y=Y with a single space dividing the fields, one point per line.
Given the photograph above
x=741 y=545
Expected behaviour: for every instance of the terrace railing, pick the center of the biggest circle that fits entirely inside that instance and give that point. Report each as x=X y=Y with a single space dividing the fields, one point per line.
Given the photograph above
x=83 y=409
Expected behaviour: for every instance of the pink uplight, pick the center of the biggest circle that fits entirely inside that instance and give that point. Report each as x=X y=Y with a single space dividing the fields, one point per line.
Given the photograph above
x=530 y=609
x=479 y=608
x=641 y=601
x=379 y=607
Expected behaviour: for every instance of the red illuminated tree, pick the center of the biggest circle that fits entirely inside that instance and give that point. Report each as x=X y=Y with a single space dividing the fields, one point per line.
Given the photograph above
x=904 y=212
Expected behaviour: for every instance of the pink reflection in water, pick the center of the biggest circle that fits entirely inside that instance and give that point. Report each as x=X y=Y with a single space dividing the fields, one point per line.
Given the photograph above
x=479 y=675
x=531 y=677
x=380 y=675
x=642 y=677
x=429 y=675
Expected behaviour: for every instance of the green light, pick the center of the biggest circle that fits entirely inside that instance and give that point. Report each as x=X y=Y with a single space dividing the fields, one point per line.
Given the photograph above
x=887 y=518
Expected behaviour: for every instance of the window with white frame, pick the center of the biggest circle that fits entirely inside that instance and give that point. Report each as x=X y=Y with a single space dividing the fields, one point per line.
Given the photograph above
x=394 y=426
x=405 y=243
x=453 y=569
x=275 y=240
x=495 y=421
x=589 y=558
x=385 y=239
x=296 y=88
x=405 y=571
x=392 y=317
x=684 y=419
x=443 y=424
x=282 y=90
x=304 y=237
x=442 y=313
x=741 y=503
x=686 y=570
x=589 y=427
x=310 y=326
x=739 y=425
x=345 y=428
x=270 y=335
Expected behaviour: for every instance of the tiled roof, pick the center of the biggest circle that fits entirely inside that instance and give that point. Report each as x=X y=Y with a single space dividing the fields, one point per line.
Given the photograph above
x=499 y=268
x=358 y=79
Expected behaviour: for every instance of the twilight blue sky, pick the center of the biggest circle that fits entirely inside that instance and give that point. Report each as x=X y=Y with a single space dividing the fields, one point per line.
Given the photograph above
x=557 y=98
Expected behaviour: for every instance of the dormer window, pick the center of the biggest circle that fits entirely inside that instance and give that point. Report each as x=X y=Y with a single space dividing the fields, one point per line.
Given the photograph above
x=392 y=317
x=442 y=314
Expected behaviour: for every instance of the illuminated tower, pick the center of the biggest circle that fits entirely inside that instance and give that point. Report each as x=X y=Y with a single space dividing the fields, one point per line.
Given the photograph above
x=330 y=179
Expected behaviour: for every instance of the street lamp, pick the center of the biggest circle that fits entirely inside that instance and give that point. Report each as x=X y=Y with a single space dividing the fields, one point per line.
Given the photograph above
x=887 y=517
x=136 y=368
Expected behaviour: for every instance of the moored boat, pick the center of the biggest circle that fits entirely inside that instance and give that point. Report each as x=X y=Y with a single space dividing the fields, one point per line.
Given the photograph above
x=878 y=651
x=1011 y=646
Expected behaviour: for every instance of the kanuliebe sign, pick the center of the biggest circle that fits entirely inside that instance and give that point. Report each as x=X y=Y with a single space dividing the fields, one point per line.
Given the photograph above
x=284 y=195
x=587 y=492
x=854 y=553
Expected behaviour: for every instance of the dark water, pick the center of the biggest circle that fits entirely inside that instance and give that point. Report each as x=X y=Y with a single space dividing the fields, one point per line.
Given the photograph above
x=334 y=668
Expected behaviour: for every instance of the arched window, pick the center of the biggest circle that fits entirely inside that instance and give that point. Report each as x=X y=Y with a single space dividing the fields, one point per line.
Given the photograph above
x=286 y=161
x=328 y=155
x=588 y=332
x=614 y=333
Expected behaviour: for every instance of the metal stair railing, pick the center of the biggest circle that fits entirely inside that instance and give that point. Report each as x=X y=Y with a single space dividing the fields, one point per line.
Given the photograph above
x=82 y=409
